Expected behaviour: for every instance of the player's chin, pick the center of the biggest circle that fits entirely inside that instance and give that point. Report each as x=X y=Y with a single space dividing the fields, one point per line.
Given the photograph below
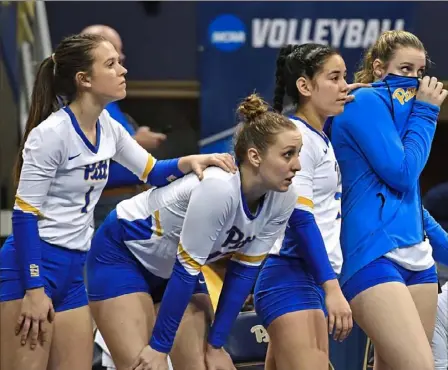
x=283 y=186
x=338 y=108
x=120 y=94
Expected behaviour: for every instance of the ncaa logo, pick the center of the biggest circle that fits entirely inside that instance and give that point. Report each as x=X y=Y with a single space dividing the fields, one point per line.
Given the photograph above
x=227 y=33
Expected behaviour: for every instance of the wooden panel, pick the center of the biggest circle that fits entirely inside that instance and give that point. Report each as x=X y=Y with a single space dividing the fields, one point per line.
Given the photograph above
x=168 y=89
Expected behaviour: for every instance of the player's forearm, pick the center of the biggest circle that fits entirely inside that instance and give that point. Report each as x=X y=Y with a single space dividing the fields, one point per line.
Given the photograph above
x=310 y=244
x=237 y=286
x=165 y=171
x=175 y=300
x=27 y=243
x=438 y=238
x=416 y=148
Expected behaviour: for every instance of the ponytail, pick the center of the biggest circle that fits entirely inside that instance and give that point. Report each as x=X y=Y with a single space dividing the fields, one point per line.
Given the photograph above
x=365 y=73
x=280 y=83
x=43 y=102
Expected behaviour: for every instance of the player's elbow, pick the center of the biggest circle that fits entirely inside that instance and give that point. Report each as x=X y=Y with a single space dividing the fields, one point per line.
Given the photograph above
x=402 y=185
x=301 y=218
x=398 y=178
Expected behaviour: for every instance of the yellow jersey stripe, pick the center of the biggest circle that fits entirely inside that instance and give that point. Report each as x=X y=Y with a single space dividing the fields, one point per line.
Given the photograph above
x=187 y=258
x=148 y=168
x=251 y=259
x=214 y=285
x=305 y=201
x=24 y=206
x=158 y=230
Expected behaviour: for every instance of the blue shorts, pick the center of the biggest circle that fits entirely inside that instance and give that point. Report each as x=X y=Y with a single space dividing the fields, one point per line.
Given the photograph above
x=62 y=271
x=285 y=285
x=113 y=271
x=383 y=270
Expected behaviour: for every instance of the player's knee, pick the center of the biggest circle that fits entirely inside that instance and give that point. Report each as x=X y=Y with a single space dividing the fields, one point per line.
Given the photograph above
x=419 y=361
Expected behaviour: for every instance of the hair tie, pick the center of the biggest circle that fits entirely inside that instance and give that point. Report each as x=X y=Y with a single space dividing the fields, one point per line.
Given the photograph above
x=54 y=64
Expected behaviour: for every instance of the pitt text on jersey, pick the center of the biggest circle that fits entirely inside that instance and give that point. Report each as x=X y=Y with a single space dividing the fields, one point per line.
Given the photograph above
x=236 y=239
x=96 y=171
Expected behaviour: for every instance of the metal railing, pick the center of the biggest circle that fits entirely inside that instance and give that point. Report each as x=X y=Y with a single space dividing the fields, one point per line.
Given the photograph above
x=34 y=46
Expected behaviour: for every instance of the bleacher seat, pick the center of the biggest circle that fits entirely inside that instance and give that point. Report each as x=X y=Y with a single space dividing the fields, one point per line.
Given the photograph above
x=248 y=342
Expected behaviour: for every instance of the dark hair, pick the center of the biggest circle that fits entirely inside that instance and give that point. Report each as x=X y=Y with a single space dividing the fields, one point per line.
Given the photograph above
x=258 y=126
x=384 y=49
x=293 y=62
x=55 y=80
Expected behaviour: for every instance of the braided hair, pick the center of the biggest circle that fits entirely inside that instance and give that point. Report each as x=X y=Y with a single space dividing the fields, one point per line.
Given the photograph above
x=293 y=62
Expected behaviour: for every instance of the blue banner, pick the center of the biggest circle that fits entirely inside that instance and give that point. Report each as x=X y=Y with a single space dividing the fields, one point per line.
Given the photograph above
x=239 y=43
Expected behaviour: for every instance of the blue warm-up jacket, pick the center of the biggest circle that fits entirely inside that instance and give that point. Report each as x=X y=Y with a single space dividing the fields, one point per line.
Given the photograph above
x=382 y=142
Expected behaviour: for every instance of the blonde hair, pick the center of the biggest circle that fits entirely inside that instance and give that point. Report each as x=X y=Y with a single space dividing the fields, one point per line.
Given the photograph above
x=384 y=49
x=258 y=126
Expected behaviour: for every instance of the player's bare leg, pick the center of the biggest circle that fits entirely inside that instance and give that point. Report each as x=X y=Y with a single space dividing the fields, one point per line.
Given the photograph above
x=388 y=315
x=126 y=323
x=72 y=345
x=307 y=351
x=14 y=355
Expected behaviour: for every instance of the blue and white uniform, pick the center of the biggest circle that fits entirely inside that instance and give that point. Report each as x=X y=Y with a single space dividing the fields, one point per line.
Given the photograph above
x=382 y=142
x=171 y=232
x=62 y=177
x=309 y=253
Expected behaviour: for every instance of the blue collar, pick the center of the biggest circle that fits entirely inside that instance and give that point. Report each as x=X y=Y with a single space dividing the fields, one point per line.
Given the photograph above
x=321 y=134
x=93 y=148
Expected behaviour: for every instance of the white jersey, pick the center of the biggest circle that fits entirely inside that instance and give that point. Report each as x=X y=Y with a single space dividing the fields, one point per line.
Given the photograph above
x=63 y=174
x=415 y=258
x=318 y=184
x=200 y=222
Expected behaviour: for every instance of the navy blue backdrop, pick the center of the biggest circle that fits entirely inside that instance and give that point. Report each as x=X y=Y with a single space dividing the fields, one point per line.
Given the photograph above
x=8 y=44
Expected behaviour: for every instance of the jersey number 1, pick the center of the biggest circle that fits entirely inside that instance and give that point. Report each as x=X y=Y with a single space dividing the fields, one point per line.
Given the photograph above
x=87 y=202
